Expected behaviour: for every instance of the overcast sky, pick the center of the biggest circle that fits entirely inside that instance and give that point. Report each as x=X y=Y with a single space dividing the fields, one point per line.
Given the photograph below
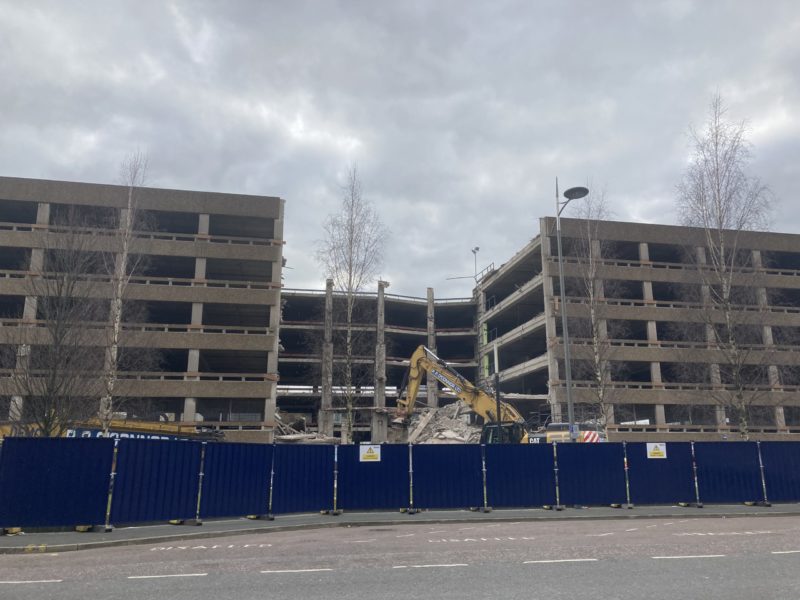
x=459 y=114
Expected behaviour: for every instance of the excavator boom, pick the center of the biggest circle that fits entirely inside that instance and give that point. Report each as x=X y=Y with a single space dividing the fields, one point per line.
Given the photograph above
x=423 y=361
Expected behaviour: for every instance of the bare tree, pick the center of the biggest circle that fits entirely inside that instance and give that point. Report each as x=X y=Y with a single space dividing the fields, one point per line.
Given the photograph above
x=718 y=196
x=351 y=254
x=121 y=264
x=55 y=378
x=594 y=353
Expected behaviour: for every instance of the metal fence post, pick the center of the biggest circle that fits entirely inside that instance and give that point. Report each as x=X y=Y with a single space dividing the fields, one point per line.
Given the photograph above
x=200 y=475
x=112 y=476
x=335 y=512
x=627 y=475
x=486 y=507
x=696 y=482
x=766 y=501
x=411 y=509
x=270 y=516
x=558 y=505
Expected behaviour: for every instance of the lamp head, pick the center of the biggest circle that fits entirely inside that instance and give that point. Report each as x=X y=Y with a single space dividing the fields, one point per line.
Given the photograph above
x=575 y=193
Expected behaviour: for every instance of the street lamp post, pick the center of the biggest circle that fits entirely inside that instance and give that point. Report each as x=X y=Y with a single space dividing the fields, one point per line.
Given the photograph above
x=475 y=255
x=571 y=194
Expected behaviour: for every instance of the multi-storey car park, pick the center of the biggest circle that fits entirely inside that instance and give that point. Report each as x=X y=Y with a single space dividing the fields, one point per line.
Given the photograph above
x=210 y=287
x=389 y=329
x=211 y=290
x=647 y=270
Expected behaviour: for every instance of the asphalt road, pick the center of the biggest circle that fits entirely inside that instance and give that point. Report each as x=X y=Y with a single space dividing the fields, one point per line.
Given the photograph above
x=649 y=559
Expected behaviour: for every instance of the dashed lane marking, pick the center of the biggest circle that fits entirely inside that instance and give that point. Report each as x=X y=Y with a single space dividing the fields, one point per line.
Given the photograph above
x=598 y=534
x=634 y=529
x=689 y=556
x=467 y=528
x=362 y=541
x=297 y=571
x=786 y=552
x=447 y=566
x=438 y=531
x=558 y=560
x=405 y=535
x=167 y=576
x=31 y=581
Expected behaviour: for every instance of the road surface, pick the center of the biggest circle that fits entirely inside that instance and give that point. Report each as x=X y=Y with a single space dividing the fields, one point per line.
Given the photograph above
x=733 y=558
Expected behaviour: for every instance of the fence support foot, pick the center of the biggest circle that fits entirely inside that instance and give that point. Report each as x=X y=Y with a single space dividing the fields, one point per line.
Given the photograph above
x=102 y=528
x=193 y=522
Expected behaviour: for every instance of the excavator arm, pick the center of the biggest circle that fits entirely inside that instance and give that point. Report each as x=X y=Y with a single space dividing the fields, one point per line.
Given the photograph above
x=481 y=402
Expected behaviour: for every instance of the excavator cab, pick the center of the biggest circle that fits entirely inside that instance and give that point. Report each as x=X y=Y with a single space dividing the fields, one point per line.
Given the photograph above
x=508 y=432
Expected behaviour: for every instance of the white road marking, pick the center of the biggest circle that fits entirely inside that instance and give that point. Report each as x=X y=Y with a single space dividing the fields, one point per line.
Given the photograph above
x=786 y=552
x=405 y=535
x=689 y=556
x=430 y=566
x=651 y=526
x=438 y=531
x=558 y=560
x=669 y=523
x=165 y=576
x=598 y=534
x=634 y=529
x=297 y=571
x=32 y=581
x=467 y=528
x=362 y=541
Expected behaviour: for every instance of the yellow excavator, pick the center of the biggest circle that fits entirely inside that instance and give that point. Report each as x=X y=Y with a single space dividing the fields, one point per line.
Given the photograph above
x=503 y=424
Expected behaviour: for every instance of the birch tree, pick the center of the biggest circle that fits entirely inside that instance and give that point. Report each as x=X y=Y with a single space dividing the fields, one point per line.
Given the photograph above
x=719 y=196
x=56 y=359
x=121 y=264
x=351 y=254
x=594 y=352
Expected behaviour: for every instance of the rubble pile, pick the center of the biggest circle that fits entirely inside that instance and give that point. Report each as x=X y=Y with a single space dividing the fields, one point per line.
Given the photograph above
x=446 y=425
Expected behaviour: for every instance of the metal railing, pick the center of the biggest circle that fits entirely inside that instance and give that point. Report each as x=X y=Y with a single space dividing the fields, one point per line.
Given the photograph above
x=150 y=235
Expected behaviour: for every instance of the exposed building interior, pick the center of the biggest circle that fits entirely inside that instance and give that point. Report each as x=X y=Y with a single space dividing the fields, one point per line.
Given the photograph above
x=201 y=298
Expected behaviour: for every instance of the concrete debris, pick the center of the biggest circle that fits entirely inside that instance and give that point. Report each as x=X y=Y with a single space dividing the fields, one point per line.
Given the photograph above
x=286 y=433
x=446 y=425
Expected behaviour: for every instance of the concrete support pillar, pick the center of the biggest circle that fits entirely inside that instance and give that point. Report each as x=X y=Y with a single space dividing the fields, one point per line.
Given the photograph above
x=30 y=306
x=271 y=401
x=379 y=417
x=652 y=333
x=193 y=364
x=551 y=308
x=325 y=417
x=716 y=378
x=431 y=382
x=192 y=368
x=769 y=342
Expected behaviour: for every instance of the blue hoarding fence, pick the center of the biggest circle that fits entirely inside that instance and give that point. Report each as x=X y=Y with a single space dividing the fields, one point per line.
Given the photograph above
x=51 y=482
x=87 y=481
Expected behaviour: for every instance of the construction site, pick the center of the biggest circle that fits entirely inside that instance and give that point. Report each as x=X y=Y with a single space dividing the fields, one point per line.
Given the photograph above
x=237 y=353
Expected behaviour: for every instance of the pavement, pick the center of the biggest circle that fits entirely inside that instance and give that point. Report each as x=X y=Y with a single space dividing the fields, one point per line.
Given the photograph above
x=35 y=541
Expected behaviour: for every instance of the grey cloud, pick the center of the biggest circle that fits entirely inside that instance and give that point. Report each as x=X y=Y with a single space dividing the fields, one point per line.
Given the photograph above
x=459 y=114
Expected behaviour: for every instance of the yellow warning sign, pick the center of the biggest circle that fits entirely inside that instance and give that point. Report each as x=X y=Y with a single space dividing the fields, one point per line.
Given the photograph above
x=369 y=453
x=657 y=450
